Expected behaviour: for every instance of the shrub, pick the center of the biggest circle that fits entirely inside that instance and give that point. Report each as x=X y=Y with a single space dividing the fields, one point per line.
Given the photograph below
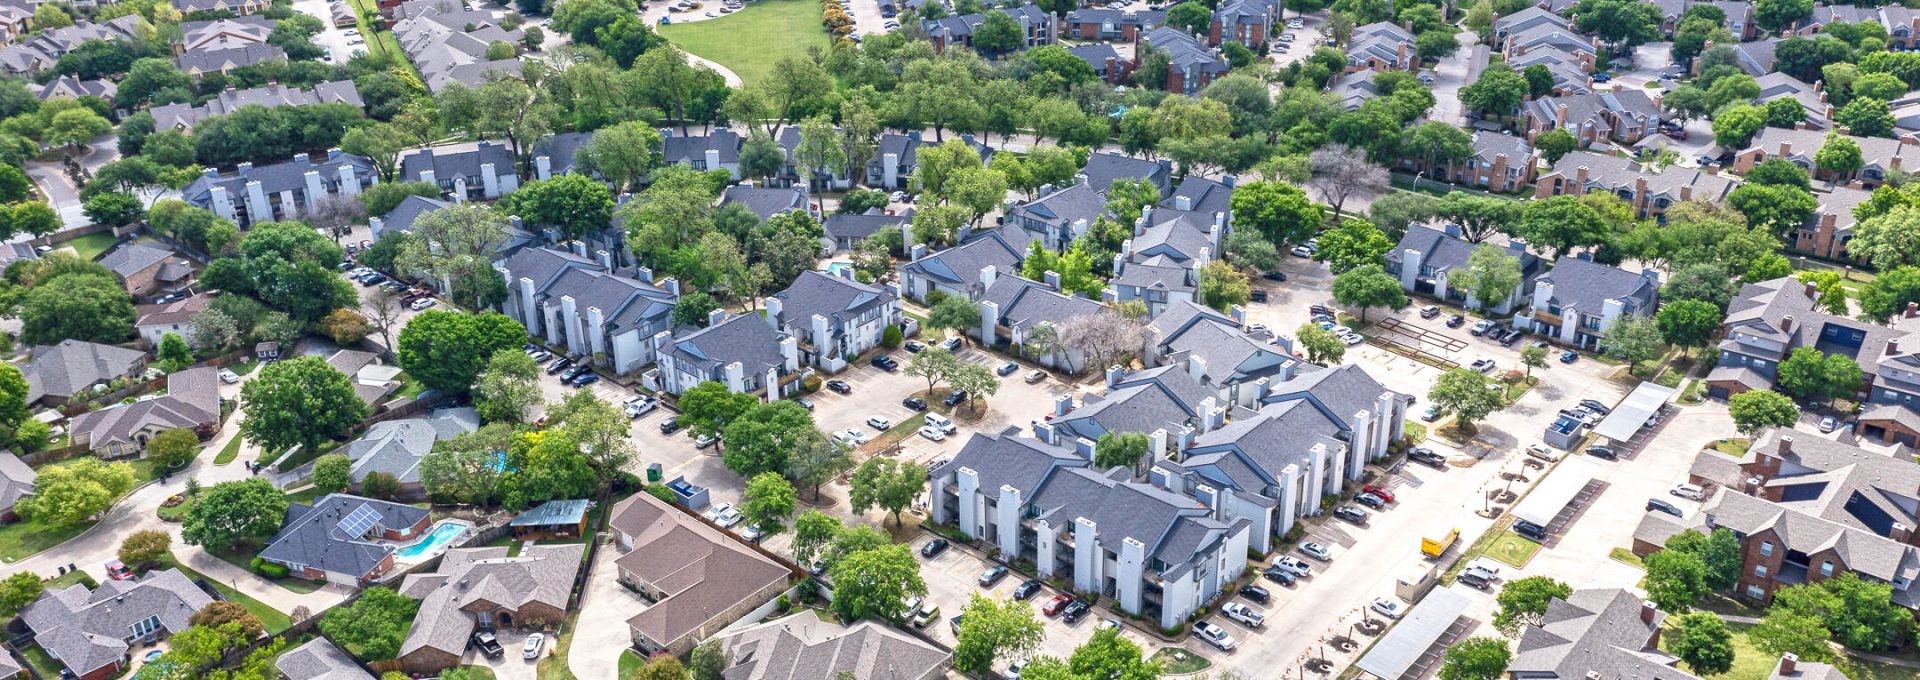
x=811 y=383
x=782 y=603
x=891 y=338
x=663 y=493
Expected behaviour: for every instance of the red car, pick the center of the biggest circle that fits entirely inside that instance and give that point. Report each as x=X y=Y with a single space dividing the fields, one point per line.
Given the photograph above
x=1056 y=604
x=118 y=571
x=1380 y=491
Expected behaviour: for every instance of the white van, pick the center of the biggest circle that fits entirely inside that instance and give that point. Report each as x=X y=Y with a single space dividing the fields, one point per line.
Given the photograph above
x=941 y=422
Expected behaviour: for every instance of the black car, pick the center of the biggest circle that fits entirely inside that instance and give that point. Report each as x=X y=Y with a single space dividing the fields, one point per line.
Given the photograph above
x=885 y=363
x=559 y=365
x=1428 y=457
x=584 y=379
x=1026 y=589
x=1511 y=337
x=1456 y=321
x=1320 y=309
x=670 y=425
x=993 y=575
x=1351 y=514
x=915 y=346
x=840 y=386
x=1595 y=406
x=1606 y=452
x=1007 y=369
x=1529 y=530
x=1663 y=506
x=914 y=404
x=1370 y=501
x=486 y=643
x=956 y=397
x=1075 y=610
x=1258 y=296
x=933 y=547
x=1274 y=276
x=576 y=372
x=1280 y=576
x=1256 y=594
x=1474 y=579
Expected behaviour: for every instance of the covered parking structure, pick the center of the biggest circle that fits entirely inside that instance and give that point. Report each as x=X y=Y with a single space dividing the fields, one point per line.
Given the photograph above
x=1555 y=496
x=1414 y=647
x=1632 y=413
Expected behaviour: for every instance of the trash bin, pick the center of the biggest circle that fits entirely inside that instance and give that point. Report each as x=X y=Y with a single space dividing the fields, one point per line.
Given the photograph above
x=653 y=473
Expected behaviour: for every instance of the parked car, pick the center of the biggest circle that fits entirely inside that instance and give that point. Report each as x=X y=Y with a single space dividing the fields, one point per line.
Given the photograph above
x=714 y=512
x=702 y=441
x=559 y=365
x=933 y=547
x=925 y=617
x=915 y=346
x=1293 y=565
x=1480 y=329
x=1056 y=605
x=118 y=570
x=1828 y=424
x=840 y=386
x=1316 y=551
x=852 y=436
x=1380 y=491
x=885 y=363
x=1529 y=530
x=879 y=423
x=1256 y=594
x=670 y=425
x=1569 y=357
x=1036 y=375
x=487 y=644
x=229 y=377
x=952 y=344
x=1274 y=276
x=1474 y=580
x=1483 y=365
x=1007 y=369
x=1351 y=514
x=1663 y=506
x=1370 y=500
x=531 y=648
x=584 y=379
x=993 y=575
x=1541 y=452
x=1688 y=491
x=1606 y=452
x=1214 y=635
x=1595 y=406
x=1389 y=608
x=914 y=404
x=1278 y=575
x=1026 y=589
x=1456 y=321
x=1427 y=457
x=1301 y=251
x=1429 y=311
x=954 y=398
x=1245 y=615
x=1074 y=611
x=639 y=406
x=1257 y=296
x=932 y=433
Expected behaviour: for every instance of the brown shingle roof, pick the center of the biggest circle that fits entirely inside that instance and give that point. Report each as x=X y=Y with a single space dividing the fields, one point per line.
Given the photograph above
x=702 y=571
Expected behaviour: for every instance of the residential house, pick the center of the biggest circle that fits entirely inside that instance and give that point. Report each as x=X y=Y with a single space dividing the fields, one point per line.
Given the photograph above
x=403 y=215
x=1827 y=232
x=1105 y=60
x=1353 y=88
x=1036 y=26
x=1219 y=353
x=1525 y=20
x=1382 y=46
x=1426 y=259
x=845 y=232
x=833 y=317
x=1105 y=25
x=765 y=202
x=819 y=178
x=1161 y=555
x=319 y=659
x=202 y=62
x=43 y=50
x=219 y=34
x=1608 y=632
x=1879 y=156
x=1569 y=77
x=1578 y=300
x=16 y=18
x=1650 y=193
x=804 y=646
x=1248 y=22
x=343 y=539
x=896 y=157
x=719 y=149
x=486 y=589
x=1624 y=115
x=154 y=322
x=1497 y=162
x=395 y=447
x=69 y=87
x=372 y=380
x=1766 y=321
x=697 y=578
x=467 y=171
x=1901 y=23
x=183 y=117
x=1792 y=668
x=146 y=269
x=1103 y=168
x=1191 y=65
x=280 y=191
x=1539 y=34
x=585 y=307
x=1807 y=509
x=240 y=7
x=555 y=155
x=1756 y=58
x=16 y=482
x=448 y=42
x=1168 y=399
x=92 y=633
x=192 y=402
x=77 y=369
x=743 y=352
x=1160 y=264
x=958 y=270
x=1013 y=308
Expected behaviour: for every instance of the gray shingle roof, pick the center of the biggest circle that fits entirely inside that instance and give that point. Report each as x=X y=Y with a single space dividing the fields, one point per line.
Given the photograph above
x=745 y=338
x=1441 y=252
x=1250 y=452
x=1063 y=207
x=192 y=401
x=1598 y=630
x=395 y=447
x=401 y=217
x=765 y=201
x=690 y=148
x=290 y=175
x=1200 y=195
x=540 y=574
x=16 y=480
x=1023 y=302
x=448 y=163
x=312 y=535
x=225 y=59
x=703 y=572
x=838 y=299
x=86 y=630
x=318 y=659
x=1104 y=168
x=1586 y=286
x=856 y=228
x=133 y=258
x=1144 y=401
x=1882 y=558
x=71 y=367
x=804 y=647
x=1340 y=392
x=960 y=265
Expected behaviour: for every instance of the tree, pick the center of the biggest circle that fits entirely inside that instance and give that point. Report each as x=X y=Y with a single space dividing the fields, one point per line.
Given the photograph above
x=505 y=107
x=446 y=350
x=143 y=548
x=875 y=583
x=1890 y=240
x=1223 y=287
x=708 y=661
x=885 y=483
x=1737 y=123
x=1491 y=277
x=1777 y=208
x=90 y=308
x=508 y=389
x=995 y=629
x=768 y=502
x=1368 y=286
x=1523 y=601
x=1774 y=15
x=1498 y=91
x=1561 y=224
x=1532 y=357
x=1720 y=552
x=1787 y=631
x=1106 y=656
x=813 y=531
x=74 y=127
x=234 y=514
x=381 y=143
x=1866 y=618
x=935 y=364
x=23 y=587
x=1392 y=213
x=1839 y=155
x=1688 y=323
x=372 y=626
x=1756 y=411
x=1703 y=641
x=298 y=402
x=1464 y=394
x=1815 y=375
x=1633 y=339
x=1280 y=212
x=69 y=493
x=1620 y=22
x=1120 y=449
x=1341 y=172
x=345 y=326
x=1889 y=293
x=977 y=381
x=955 y=312
x=173 y=448
x=221 y=612
x=760 y=438
x=1479 y=658
x=1323 y=347
x=707 y=408
x=1351 y=244
x=1675 y=580
x=332 y=473
x=575 y=204
x=1480 y=217
x=113 y=208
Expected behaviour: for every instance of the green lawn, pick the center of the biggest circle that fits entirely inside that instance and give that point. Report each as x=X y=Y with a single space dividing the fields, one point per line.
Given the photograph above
x=630 y=663
x=408 y=386
x=779 y=29
x=1735 y=447
x=26 y=537
x=245 y=561
x=1749 y=663
x=228 y=452
x=1625 y=556
x=242 y=368
x=92 y=245
x=1512 y=548
x=274 y=620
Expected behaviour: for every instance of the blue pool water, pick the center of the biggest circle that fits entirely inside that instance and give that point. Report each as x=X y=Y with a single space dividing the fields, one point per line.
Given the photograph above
x=837 y=268
x=434 y=540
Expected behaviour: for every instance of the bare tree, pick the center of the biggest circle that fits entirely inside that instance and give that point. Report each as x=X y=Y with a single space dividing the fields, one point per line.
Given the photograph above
x=1340 y=173
x=335 y=214
x=1103 y=337
x=382 y=310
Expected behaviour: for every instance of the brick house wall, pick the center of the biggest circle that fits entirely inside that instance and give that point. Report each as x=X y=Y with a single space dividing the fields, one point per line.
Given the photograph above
x=142 y=282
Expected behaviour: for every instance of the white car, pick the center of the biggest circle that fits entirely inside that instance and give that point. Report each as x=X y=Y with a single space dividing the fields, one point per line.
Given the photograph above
x=1316 y=551
x=729 y=518
x=1250 y=617
x=422 y=303
x=713 y=514
x=1688 y=491
x=1387 y=608
x=856 y=436
x=1214 y=635
x=531 y=650
x=752 y=534
x=229 y=377
x=1352 y=338
x=1293 y=565
x=932 y=433
x=879 y=423
x=1296 y=24
x=1302 y=251
x=1828 y=424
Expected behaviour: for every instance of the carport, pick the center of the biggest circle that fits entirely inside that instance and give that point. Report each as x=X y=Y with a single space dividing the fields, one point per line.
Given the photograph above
x=1632 y=413
x=1560 y=487
x=1414 y=647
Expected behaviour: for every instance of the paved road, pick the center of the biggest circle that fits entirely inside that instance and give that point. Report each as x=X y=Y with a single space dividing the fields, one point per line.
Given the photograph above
x=602 y=634
x=60 y=192
x=1455 y=72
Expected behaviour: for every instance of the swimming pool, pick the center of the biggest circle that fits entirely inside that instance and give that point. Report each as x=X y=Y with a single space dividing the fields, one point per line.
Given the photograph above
x=441 y=535
x=839 y=268
x=155 y=654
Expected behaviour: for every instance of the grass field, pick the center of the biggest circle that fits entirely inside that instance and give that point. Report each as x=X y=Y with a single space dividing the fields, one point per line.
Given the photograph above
x=274 y=620
x=1749 y=663
x=228 y=452
x=779 y=29
x=91 y=245
x=1512 y=549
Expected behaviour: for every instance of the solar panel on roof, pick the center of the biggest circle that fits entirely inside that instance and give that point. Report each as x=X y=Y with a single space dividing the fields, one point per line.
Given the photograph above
x=360 y=521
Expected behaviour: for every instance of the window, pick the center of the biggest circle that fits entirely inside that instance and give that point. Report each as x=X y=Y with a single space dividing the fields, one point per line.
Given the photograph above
x=1760 y=571
x=1766 y=548
x=1826 y=568
x=145 y=627
x=1755 y=592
